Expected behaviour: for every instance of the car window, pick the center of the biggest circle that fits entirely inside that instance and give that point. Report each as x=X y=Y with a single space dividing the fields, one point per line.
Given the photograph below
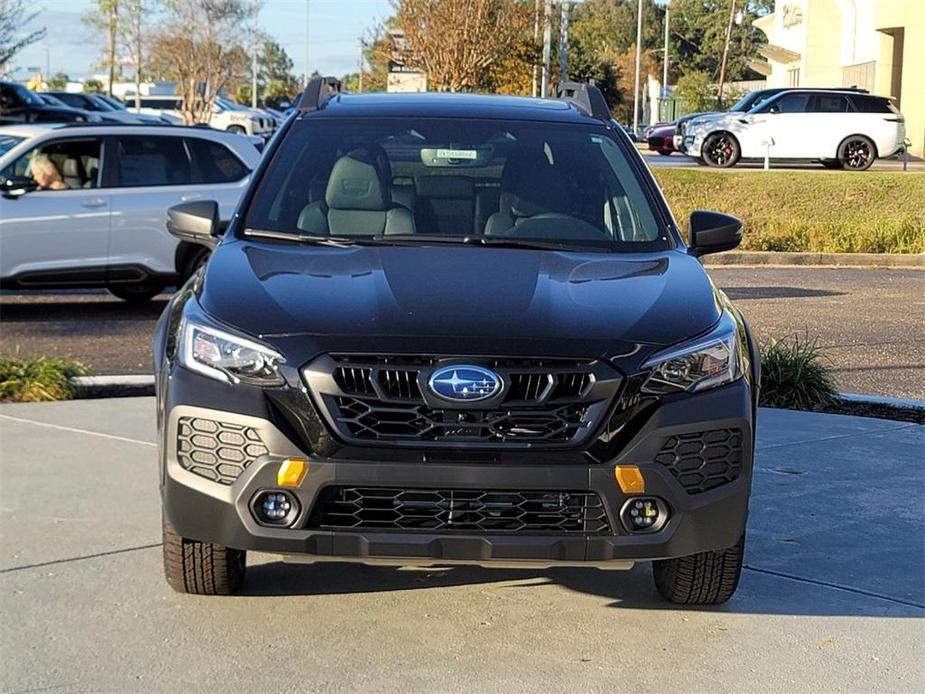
x=456 y=177
x=163 y=104
x=788 y=103
x=872 y=104
x=8 y=142
x=144 y=160
x=60 y=165
x=214 y=162
x=72 y=100
x=830 y=103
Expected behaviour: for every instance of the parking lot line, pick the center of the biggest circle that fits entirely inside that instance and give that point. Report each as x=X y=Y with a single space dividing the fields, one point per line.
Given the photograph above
x=76 y=430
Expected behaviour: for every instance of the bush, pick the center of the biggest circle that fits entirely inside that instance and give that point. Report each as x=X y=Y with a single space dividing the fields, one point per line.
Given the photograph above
x=37 y=379
x=813 y=211
x=795 y=375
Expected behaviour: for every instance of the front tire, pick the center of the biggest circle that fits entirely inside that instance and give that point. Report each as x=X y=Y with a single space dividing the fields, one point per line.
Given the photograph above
x=136 y=293
x=705 y=578
x=721 y=150
x=857 y=153
x=201 y=568
x=236 y=129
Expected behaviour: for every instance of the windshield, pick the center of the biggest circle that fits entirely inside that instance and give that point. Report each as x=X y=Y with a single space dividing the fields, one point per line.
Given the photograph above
x=8 y=142
x=230 y=105
x=115 y=103
x=101 y=104
x=27 y=95
x=750 y=100
x=455 y=180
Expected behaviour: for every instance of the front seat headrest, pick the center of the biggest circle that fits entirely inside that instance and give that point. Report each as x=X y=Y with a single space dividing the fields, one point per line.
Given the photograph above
x=360 y=180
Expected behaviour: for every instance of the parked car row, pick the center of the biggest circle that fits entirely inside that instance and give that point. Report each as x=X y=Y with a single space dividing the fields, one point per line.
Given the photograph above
x=840 y=128
x=226 y=115
x=82 y=205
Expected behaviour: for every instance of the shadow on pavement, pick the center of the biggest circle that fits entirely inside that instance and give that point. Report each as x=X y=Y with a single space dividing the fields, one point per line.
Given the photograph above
x=758 y=593
x=77 y=311
x=777 y=292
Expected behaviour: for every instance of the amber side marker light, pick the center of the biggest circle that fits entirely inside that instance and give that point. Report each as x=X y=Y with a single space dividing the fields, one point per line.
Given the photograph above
x=630 y=479
x=291 y=472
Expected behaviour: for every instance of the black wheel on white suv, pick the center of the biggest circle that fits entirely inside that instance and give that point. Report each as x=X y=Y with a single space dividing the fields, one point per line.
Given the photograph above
x=236 y=129
x=857 y=153
x=192 y=263
x=137 y=293
x=721 y=150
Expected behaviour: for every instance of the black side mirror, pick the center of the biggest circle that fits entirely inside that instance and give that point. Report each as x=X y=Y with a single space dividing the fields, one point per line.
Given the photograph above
x=196 y=222
x=713 y=232
x=16 y=186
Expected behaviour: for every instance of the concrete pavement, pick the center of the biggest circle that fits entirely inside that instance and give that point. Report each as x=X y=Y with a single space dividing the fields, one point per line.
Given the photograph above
x=832 y=599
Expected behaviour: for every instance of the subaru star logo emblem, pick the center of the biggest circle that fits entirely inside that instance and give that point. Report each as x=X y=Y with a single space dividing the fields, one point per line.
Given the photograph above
x=464 y=382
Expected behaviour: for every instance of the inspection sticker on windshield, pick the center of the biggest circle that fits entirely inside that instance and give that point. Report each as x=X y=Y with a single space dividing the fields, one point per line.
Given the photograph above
x=457 y=154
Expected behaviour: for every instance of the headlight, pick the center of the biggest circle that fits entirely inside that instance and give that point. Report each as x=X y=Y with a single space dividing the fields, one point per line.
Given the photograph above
x=227 y=357
x=707 y=362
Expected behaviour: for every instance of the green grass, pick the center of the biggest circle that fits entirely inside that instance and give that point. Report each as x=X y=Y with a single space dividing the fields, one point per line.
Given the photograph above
x=38 y=378
x=814 y=211
x=795 y=375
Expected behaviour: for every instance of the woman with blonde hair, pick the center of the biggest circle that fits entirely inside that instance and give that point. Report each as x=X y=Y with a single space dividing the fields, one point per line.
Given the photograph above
x=46 y=174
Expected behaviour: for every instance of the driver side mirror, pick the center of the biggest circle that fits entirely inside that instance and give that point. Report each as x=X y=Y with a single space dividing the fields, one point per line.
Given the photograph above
x=196 y=222
x=713 y=232
x=17 y=186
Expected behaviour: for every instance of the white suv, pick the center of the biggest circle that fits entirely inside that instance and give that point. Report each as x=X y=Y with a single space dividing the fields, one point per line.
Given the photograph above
x=100 y=219
x=841 y=129
x=225 y=115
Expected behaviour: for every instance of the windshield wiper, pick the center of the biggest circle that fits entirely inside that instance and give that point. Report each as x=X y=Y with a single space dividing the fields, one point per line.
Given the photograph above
x=493 y=241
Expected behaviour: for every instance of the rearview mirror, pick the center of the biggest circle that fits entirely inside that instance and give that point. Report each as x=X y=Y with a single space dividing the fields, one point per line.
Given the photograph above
x=713 y=232
x=196 y=222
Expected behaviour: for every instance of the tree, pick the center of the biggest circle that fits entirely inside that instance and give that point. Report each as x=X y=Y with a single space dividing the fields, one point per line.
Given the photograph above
x=103 y=15
x=457 y=44
x=93 y=86
x=57 y=81
x=199 y=48
x=698 y=30
x=275 y=81
x=13 y=18
x=134 y=34
x=695 y=91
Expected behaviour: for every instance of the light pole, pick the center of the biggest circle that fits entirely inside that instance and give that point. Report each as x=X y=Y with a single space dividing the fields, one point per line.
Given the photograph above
x=665 y=57
x=547 y=47
x=638 y=59
x=254 y=57
x=307 y=13
x=563 y=42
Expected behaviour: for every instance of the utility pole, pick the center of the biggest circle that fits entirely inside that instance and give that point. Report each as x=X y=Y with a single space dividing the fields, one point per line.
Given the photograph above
x=307 y=13
x=254 y=57
x=547 y=46
x=665 y=57
x=360 y=70
x=536 y=37
x=113 y=27
x=722 y=67
x=563 y=42
x=638 y=60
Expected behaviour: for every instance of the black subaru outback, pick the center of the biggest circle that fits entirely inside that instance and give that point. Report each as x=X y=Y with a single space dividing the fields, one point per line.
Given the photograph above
x=446 y=329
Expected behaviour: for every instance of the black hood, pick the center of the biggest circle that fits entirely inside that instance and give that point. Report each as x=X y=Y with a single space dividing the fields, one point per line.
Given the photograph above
x=446 y=299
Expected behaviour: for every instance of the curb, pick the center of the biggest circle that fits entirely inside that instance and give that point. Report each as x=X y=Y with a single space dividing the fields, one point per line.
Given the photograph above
x=88 y=387
x=141 y=385
x=882 y=260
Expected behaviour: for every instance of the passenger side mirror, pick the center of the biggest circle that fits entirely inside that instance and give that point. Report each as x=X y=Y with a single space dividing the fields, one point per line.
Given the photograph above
x=16 y=186
x=713 y=232
x=196 y=222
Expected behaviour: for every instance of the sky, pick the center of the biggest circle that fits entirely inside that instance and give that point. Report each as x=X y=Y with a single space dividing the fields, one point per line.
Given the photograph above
x=336 y=27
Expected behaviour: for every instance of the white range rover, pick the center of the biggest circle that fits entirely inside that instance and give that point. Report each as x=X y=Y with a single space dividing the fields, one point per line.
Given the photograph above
x=840 y=129
x=86 y=206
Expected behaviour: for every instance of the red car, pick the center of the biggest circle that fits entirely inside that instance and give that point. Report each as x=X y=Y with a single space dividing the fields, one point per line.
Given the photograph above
x=661 y=138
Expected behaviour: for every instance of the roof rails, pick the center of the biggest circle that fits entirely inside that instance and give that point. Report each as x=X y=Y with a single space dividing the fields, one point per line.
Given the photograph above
x=587 y=97
x=317 y=93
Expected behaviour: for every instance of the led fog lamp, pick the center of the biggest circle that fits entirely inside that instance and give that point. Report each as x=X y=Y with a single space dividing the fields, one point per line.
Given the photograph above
x=275 y=508
x=644 y=514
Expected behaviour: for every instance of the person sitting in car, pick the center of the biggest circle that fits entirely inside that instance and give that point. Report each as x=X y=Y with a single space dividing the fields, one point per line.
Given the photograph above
x=46 y=174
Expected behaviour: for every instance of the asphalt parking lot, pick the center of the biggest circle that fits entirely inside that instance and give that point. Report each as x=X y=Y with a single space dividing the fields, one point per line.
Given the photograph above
x=871 y=322
x=831 y=600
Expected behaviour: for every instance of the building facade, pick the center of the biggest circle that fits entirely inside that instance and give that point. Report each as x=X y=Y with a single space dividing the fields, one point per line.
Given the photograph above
x=875 y=44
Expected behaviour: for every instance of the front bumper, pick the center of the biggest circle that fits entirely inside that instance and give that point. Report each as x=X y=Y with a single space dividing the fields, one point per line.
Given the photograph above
x=206 y=510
